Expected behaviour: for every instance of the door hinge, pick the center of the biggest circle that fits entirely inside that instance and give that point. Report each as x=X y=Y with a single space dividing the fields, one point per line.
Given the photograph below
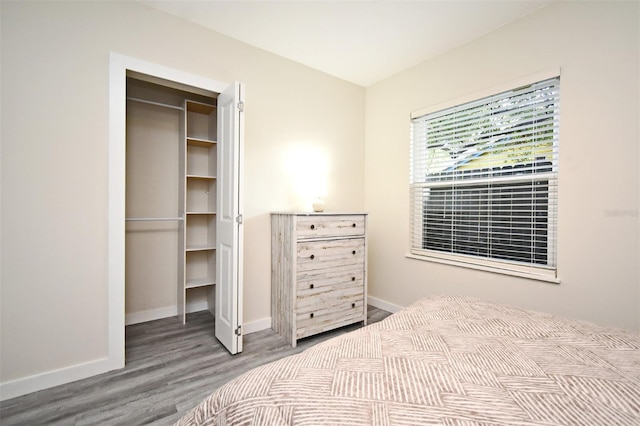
x=239 y=219
x=241 y=106
x=239 y=331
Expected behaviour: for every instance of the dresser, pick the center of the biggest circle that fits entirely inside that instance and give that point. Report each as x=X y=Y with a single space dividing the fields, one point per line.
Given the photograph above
x=318 y=272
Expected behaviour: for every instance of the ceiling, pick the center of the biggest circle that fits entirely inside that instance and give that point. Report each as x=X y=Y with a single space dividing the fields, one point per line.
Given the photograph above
x=359 y=41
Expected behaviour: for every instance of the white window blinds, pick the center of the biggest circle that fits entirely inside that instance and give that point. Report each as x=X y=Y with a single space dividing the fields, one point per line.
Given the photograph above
x=484 y=180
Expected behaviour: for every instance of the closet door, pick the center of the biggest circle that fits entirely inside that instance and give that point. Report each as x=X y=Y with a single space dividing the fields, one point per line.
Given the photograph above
x=228 y=289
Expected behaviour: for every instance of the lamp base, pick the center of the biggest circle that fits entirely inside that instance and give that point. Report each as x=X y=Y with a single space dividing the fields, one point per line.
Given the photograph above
x=318 y=205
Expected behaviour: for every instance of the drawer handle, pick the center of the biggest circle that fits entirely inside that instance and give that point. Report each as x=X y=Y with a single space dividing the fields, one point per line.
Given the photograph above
x=312 y=257
x=353 y=305
x=353 y=278
x=313 y=227
x=354 y=225
x=311 y=315
x=310 y=285
x=353 y=252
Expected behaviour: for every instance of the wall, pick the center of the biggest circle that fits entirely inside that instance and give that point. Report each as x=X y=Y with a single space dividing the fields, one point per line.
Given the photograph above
x=55 y=63
x=597 y=47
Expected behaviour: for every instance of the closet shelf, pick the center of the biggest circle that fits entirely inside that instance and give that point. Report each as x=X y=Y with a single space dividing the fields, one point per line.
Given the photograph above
x=206 y=143
x=160 y=104
x=200 y=247
x=201 y=177
x=152 y=219
x=199 y=282
x=200 y=108
x=200 y=188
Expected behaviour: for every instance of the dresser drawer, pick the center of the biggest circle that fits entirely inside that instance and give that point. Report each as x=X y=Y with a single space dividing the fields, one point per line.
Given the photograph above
x=329 y=226
x=318 y=299
x=333 y=279
x=330 y=314
x=321 y=255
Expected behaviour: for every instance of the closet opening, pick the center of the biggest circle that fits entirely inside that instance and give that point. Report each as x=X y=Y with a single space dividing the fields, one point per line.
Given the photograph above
x=175 y=229
x=170 y=203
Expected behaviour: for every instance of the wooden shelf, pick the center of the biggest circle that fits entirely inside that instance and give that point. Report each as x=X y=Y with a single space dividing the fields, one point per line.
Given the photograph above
x=200 y=107
x=200 y=268
x=200 y=195
x=201 y=159
x=200 y=177
x=204 y=143
x=199 y=282
x=200 y=248
x=200 y=232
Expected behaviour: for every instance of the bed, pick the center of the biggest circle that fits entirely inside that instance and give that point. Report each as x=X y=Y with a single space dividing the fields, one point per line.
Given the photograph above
x=449 y=361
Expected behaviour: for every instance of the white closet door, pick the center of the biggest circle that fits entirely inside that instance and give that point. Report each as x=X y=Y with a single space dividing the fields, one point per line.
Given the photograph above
x=228 y=293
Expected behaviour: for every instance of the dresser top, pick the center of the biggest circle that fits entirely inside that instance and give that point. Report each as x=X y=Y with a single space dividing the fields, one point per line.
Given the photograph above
x=320 y=213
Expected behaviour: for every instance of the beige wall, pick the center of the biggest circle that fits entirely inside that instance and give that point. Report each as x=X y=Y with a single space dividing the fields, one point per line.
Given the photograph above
x=55 y=63
x=597 y=47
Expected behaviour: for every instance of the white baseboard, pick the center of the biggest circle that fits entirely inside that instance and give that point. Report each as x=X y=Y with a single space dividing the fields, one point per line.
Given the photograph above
x=172 y=311
x=258 y=325
x=53 y=378
x=168 y=311
x=49 y=379
x=382 y=304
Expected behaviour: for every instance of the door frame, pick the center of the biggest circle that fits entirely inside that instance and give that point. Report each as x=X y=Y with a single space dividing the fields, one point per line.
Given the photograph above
x=118 y=66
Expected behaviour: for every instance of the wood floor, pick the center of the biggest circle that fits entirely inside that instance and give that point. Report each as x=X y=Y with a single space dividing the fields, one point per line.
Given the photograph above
x=170 y=368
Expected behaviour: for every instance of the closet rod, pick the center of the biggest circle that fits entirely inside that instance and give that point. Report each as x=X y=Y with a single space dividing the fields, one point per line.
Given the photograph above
x=152 y=219
x=144 y=101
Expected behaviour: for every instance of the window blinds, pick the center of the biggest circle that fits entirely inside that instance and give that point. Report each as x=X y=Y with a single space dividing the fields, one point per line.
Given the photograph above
x=483 y=181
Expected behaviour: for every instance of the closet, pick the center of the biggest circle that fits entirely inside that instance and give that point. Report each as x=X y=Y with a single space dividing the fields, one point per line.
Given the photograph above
x=183 y=228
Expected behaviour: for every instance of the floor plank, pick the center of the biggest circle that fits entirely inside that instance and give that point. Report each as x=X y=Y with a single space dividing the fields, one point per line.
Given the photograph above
x=170 y=368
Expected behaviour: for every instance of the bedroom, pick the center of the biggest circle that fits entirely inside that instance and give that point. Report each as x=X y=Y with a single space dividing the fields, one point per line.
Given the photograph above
x=54 y=170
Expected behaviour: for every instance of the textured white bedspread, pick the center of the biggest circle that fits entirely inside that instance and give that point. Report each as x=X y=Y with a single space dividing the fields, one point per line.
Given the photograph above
x=445 y=361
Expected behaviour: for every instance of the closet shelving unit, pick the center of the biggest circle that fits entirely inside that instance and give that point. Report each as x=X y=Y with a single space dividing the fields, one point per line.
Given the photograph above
x=200 y=186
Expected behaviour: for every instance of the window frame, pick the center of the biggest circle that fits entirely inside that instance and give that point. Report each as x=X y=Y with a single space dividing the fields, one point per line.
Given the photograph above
x=536 y=272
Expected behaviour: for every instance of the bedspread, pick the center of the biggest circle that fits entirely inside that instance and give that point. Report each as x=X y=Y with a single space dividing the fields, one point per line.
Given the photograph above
x=444 y=360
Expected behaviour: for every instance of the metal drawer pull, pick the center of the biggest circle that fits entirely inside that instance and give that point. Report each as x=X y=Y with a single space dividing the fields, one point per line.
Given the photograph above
x=353 y=252
x=354 y=225
x=313 y=227
x=353 y=278
x=311 y=315
x=310 y=285
x=353 y=305
x=312 y=257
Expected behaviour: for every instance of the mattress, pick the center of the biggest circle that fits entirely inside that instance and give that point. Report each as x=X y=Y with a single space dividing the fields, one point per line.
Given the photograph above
x=448 y=361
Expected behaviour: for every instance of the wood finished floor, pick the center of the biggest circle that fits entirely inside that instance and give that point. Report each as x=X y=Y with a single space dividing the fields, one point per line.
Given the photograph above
x=170 y=368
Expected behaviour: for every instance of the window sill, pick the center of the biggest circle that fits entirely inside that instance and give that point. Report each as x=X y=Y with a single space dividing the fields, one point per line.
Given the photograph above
x=469 y=265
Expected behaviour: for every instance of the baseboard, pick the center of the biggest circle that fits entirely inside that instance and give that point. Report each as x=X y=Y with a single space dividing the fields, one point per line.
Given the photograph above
x=258 y=325
x=172 y=311
x=382 y=304
x=168 y=311
x=37 y=382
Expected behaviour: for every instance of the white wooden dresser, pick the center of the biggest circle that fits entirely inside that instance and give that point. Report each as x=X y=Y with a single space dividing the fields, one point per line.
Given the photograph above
x=318 y=272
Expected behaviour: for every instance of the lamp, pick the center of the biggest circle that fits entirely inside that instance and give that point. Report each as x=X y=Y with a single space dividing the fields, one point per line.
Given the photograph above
x=318 y=205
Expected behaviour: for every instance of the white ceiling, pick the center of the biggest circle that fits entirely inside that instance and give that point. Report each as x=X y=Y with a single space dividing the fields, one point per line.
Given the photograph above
x=359 y=41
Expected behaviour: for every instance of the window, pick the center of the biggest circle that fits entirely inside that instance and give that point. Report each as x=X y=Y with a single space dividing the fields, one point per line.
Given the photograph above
x=484 y=182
